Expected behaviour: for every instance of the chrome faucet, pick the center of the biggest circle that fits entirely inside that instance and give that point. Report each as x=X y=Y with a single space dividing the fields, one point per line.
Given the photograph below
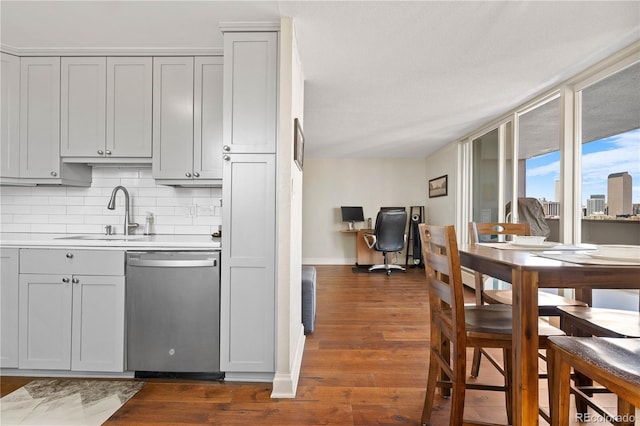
x=112 y=206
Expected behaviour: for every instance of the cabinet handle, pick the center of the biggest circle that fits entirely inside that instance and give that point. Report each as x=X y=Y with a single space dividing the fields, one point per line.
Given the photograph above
x=100 y=152
x=65 y=280
x=75 y=280
x=226 y=157
x=69 y=255
x=227 y=148
x=188 y=174
x=107 y=152
x=196 y=174
x=54 y=174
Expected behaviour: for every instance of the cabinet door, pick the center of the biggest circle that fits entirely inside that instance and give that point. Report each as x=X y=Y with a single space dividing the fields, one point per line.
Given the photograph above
x=247 y=306
x=129 y=107
x=40 y=117
x=172 y=118
x=9 y=308
x=207 y=119
x=10 y=116
x=45 y=321
x=250 y=91
x=97 y=342
x=82 y=106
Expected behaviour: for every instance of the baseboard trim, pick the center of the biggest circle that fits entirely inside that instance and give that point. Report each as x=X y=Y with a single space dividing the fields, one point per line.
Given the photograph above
x=285 y=385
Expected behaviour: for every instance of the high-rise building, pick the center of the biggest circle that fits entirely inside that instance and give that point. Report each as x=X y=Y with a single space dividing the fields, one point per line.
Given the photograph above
x=619 y=194
x=595 y=204
x=551 y=208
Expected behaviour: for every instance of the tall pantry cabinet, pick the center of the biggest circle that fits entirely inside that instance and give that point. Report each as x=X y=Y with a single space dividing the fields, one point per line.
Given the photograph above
x=248 y=309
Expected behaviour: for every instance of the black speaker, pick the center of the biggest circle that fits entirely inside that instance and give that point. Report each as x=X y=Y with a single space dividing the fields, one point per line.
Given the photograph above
x=417 y=245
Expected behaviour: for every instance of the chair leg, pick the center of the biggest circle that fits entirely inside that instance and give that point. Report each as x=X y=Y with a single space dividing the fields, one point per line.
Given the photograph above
x=479 y=286
x=457 y=402
x=508 y=379
x=559 y=389
x=431 y=389
x=626 y=413
x=475 y=363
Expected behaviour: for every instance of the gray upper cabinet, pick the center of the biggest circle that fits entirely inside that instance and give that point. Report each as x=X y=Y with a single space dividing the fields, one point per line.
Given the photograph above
x=40 y=118
x=106 y=108
x=83 y=105
x=10 y=116
x=250 y=92
x=40 y=127
x=207 y=119
x=129 y=107
x=187 y=120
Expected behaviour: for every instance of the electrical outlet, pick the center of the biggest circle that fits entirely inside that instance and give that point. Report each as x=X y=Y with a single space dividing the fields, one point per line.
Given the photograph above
x=205 y=210
x=190 y=210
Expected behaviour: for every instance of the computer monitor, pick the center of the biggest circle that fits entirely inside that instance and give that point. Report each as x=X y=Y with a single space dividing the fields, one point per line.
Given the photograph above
x=352 y=215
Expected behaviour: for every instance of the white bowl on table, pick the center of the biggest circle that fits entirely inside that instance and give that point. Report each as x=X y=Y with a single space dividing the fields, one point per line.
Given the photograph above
x=618 y=251
x=528 y=240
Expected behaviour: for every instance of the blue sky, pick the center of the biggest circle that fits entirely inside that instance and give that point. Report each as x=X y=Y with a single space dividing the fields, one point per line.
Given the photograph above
x=619 y=153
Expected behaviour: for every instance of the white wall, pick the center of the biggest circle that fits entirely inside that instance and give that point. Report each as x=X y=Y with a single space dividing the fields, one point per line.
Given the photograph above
x=57 y=209
x=290 y=333
x=369 y=182
x=442 y=210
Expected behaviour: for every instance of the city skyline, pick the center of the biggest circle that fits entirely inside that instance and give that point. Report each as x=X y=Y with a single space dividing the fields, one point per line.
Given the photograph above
x=614 y=154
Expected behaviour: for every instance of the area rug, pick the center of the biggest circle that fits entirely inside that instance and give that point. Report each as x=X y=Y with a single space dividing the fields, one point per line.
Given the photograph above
x=66 y=402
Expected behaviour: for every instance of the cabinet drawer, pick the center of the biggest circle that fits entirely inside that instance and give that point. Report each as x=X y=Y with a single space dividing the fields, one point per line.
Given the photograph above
x=73 y=261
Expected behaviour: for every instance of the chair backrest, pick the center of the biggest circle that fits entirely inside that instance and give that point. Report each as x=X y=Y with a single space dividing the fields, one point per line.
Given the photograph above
x=444 y=278
x=530 y=211
x=390 y=226
x=476 y=230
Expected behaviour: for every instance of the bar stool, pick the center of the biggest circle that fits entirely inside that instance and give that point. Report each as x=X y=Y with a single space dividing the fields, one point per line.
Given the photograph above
x=600 y=322
x=612 y=362
x=547 y=303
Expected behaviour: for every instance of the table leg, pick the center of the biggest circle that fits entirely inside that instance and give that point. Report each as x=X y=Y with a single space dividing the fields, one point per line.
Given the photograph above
x=525 y=347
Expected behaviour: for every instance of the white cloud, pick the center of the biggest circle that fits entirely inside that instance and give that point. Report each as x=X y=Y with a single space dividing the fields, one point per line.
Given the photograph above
x=621 y=154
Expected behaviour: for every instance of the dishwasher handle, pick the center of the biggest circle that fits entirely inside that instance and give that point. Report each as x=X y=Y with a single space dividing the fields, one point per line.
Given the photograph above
x=173 y=263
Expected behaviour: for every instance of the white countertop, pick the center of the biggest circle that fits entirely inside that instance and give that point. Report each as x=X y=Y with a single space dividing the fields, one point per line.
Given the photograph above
x=99 y=241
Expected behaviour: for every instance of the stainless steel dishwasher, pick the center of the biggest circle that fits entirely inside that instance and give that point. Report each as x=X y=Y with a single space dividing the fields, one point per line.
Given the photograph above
x=173 y=312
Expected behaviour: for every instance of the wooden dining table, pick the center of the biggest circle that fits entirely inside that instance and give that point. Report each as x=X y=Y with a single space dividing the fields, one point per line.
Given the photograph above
x=527 y=271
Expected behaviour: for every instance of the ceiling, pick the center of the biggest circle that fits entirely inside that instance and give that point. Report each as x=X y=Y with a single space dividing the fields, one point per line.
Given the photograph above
x=382 y=79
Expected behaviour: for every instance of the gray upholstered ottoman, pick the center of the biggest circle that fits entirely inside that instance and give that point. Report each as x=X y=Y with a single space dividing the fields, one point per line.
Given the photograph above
x=308 y=298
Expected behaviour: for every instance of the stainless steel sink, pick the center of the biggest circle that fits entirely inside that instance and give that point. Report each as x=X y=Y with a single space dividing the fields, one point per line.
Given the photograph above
x=103 y=237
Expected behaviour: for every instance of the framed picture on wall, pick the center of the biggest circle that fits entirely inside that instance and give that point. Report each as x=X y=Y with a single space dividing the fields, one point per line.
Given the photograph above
x=438 y=187
x=298 y=144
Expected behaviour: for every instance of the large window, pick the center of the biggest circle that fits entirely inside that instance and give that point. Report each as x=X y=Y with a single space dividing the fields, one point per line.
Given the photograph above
x=610 y=158
x=539 y=156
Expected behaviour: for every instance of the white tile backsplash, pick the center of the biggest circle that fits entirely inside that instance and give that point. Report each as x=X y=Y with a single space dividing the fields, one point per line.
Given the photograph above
x=84 y=210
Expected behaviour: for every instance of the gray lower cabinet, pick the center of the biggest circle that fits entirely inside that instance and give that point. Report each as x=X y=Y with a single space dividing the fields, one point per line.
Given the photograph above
x=8 y=308
x=247 y=308
x=71 y=310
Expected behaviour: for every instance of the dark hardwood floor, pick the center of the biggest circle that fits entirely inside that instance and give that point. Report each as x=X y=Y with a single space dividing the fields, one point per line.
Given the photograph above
x=365 y=364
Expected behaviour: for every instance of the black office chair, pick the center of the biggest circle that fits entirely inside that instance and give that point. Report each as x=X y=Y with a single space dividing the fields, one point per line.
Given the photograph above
x=388 y=236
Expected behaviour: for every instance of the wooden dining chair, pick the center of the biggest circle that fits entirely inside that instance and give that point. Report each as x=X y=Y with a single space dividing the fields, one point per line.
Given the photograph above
x=455 y=326
x=547 y=303
x=612 y=362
